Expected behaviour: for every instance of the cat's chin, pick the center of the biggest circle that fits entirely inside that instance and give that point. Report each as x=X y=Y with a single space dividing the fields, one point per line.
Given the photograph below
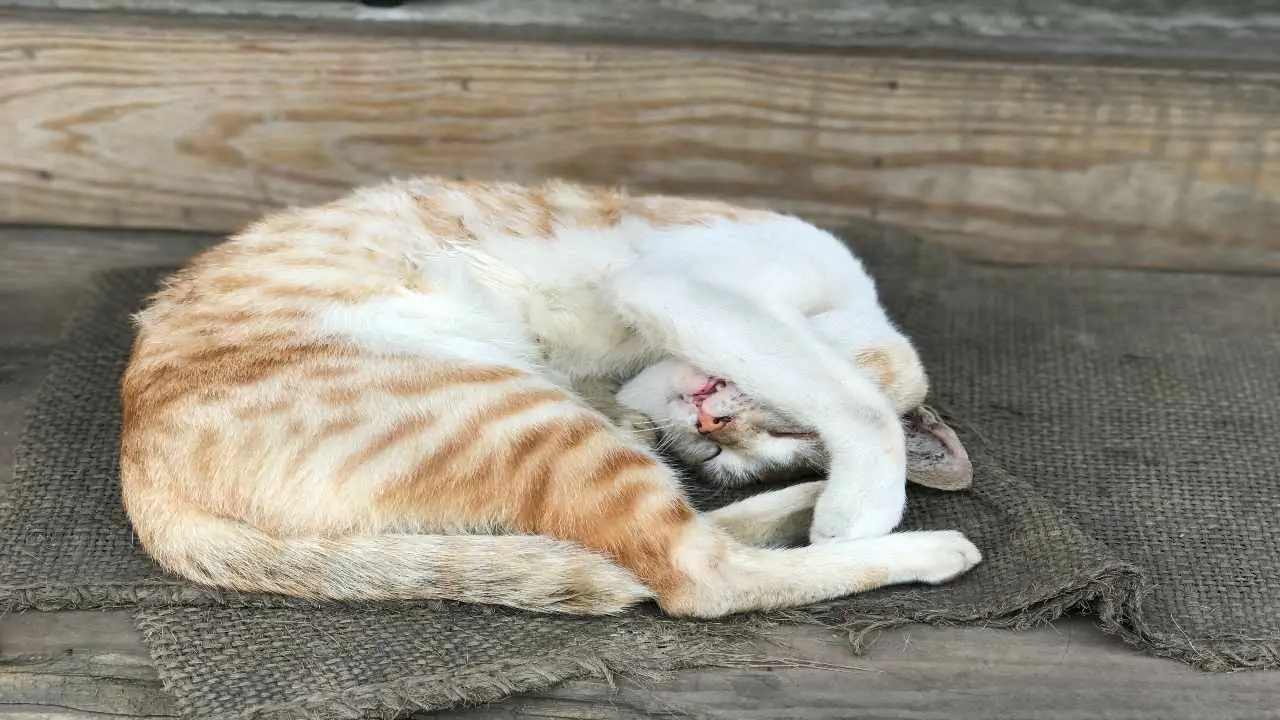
x=728 y=479
x=717 y=452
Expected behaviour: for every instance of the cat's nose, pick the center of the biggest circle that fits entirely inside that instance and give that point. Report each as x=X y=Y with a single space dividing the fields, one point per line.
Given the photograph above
x=708 y=423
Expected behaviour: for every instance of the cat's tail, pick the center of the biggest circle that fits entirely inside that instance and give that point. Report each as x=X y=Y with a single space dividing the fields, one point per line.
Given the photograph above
x=531 y=572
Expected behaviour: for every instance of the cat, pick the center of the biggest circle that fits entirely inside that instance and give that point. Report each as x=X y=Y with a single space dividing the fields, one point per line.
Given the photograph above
x=729 y=439
x=371 y=399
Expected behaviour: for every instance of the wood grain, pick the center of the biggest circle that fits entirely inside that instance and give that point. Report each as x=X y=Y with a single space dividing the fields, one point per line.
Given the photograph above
x=83 y=665
x=77 y=665
x=93 y=664
x=204 y=127
x=1147 y=30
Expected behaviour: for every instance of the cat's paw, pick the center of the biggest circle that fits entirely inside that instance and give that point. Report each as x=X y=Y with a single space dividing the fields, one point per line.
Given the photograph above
x=932 y=557
x=639 y=427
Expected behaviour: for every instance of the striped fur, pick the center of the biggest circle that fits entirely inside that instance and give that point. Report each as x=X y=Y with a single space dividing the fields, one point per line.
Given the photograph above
x=373 y=399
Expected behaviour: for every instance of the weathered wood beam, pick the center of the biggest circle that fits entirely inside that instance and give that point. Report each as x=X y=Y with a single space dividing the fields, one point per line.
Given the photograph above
x=1151 y=30
x=146 y=123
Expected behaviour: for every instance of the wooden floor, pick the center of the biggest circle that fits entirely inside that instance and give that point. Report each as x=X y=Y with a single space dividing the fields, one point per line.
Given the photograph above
x=93 y=665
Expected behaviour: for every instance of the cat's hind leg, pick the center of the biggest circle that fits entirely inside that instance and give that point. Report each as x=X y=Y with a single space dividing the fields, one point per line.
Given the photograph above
x=778 y=518
x=725 y=576
x=628 y=506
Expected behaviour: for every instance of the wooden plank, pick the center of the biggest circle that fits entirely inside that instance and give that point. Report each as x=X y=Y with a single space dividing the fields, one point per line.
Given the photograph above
x=77 y=665
x=204 y=128
x=1070 y=672
x=93 y=664
x=82 y=665
x=1149 y=30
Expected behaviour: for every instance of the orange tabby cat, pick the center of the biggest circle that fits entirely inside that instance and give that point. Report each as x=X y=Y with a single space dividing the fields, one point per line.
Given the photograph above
x=372 y=399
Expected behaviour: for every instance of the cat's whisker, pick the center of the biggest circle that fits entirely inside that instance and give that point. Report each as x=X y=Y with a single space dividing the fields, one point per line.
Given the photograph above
x=662 y=426
x=665 y=442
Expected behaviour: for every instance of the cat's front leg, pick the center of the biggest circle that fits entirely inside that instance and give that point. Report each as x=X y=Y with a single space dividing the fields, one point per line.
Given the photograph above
x=775 y=356
x=601 y=395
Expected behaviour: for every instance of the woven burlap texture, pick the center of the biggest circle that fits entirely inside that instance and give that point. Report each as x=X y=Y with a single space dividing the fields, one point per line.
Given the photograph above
x=1119 y=425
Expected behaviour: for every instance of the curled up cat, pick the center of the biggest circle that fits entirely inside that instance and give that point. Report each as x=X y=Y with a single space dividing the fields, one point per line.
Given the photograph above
x=373 y=399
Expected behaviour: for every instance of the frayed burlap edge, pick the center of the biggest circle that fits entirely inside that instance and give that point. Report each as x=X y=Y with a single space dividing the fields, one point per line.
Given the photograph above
x=1114 y=599
x=105 y=596
x=480 y=684
x=1225 y=653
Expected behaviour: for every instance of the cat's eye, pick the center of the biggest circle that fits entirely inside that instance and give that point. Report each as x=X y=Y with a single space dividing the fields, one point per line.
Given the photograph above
x=790 y=434
x=723 y=420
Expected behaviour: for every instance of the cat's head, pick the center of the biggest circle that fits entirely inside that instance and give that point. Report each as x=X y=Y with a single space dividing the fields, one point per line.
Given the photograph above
x=715 y=429
x=709 y=425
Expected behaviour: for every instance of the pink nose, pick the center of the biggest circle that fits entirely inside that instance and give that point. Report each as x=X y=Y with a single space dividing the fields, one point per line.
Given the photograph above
x=707 y=423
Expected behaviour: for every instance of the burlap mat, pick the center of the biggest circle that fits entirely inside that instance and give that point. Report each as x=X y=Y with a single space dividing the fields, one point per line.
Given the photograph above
x=1138 y=408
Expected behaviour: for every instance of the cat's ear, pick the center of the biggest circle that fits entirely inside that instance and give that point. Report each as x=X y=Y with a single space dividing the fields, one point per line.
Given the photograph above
x=935 y=456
